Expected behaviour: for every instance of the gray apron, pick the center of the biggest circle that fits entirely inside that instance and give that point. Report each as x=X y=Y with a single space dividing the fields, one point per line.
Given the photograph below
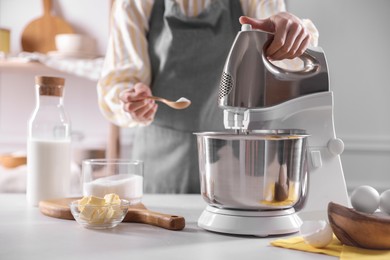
x=187 y=56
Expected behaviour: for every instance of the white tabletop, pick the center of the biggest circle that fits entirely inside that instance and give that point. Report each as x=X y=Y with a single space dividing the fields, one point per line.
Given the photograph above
x=27 y=234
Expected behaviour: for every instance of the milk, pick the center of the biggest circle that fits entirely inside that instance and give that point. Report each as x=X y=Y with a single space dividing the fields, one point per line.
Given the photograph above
x=126 y=186
x=48 y=169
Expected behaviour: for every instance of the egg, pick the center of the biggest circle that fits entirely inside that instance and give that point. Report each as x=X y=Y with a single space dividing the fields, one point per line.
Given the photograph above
x=317 y=233
x=384 y=202
x=365 y=199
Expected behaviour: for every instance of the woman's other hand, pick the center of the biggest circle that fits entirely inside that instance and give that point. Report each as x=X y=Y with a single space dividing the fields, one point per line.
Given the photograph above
x=290 y=39
x=141 y=110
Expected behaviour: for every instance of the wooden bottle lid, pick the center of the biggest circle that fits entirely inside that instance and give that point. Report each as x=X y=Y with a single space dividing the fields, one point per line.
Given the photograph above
x=45 y=80
x=50 y=86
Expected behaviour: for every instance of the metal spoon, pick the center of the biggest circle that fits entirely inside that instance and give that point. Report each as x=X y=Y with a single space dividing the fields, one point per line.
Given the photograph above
x=181 y=103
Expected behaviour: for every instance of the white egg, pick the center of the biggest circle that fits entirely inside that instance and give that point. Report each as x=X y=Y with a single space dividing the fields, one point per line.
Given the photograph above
x=384 y=202
x=365 y=199
x=318 y=233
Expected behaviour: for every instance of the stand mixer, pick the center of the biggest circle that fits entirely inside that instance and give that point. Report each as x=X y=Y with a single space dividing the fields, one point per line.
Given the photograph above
x=280 y=129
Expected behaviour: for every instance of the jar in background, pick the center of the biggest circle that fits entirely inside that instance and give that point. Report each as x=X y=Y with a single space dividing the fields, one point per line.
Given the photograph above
x=5 y=42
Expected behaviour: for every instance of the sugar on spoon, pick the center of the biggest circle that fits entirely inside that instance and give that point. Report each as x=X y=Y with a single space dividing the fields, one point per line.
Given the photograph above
x=181 y=103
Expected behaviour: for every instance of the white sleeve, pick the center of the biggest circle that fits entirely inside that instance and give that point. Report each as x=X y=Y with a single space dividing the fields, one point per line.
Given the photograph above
x=127 y=59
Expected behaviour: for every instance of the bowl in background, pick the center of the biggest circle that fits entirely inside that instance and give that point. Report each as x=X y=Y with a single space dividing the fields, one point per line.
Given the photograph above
x=12 y=160
x=99 y=217
x=75 y=43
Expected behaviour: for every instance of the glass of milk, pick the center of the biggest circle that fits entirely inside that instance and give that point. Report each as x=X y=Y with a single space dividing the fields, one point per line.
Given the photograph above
x=120 y=176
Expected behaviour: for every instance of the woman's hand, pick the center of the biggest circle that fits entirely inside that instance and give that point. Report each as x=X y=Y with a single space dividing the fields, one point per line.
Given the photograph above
x=141 y=110
x=290 y=39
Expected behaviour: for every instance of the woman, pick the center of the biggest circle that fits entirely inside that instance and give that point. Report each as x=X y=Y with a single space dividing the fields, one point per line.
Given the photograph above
x=176 y=49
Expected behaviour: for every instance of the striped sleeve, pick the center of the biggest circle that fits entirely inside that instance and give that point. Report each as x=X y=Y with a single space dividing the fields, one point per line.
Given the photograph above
x=127 y=60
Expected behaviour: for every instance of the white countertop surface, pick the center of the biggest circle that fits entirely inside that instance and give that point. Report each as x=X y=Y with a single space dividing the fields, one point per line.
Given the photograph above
x=25 y=233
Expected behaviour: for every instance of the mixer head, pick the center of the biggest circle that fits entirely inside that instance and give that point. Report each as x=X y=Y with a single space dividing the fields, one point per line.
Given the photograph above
x=250 y=81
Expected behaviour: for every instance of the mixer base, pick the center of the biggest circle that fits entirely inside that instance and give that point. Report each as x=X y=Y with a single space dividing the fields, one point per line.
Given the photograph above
x=256 y=223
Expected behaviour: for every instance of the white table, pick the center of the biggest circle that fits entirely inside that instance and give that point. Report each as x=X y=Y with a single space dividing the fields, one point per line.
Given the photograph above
x=27 y=234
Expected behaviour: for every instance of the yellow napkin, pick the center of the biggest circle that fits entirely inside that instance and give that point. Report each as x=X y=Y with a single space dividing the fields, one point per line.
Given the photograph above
x=335 y=248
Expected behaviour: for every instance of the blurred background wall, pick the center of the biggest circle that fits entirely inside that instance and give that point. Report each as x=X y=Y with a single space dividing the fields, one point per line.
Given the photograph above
x=354 y=35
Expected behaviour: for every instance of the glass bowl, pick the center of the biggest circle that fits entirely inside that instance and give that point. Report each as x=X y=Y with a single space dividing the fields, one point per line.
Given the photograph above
x=99 y=217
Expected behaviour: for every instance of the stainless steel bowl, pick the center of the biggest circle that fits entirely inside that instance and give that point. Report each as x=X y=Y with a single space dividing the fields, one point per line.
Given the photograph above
x=263 y=170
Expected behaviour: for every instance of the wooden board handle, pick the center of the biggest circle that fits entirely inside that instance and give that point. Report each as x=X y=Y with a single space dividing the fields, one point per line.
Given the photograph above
x=59 y=208
x=47 y=7
x=166 y=221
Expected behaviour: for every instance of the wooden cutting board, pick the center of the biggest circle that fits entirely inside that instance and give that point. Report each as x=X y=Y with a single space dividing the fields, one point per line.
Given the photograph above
x=59 y=208
x=39 y=35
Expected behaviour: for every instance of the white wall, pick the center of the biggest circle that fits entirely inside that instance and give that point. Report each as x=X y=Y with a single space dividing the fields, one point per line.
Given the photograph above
x=355 y=37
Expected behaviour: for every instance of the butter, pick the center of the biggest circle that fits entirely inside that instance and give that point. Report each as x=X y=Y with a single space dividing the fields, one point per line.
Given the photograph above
x=110 y=213
x=88 y=212
x=96 y=201
x=112 y=198
x=97 y=210
x=99 y=216
x=82 y=203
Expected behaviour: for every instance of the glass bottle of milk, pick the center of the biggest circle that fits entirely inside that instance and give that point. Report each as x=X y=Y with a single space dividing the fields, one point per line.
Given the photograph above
x=48 y=143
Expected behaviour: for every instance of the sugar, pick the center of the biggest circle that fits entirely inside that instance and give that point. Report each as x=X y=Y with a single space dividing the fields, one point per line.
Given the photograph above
x=183 y=99
x=127 y=186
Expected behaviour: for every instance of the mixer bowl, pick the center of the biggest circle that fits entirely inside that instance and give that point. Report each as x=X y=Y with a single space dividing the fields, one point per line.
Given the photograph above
x=263 y=170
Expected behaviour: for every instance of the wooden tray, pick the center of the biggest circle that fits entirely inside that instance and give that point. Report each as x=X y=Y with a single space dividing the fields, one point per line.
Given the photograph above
x=138 y=213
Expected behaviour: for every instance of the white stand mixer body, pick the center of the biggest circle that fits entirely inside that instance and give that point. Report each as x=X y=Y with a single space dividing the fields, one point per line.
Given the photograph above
x=313 y=113
x=258 y=95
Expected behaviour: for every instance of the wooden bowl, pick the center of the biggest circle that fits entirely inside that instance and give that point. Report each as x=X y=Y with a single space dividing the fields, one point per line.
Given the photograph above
x=12 y=161
x=359 y=229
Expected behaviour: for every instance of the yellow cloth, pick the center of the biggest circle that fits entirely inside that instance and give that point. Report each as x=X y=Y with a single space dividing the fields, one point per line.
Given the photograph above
x=335 y=248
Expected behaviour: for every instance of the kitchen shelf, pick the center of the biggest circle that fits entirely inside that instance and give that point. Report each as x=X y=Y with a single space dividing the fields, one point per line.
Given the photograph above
x=87 y=69
x=17 y=66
